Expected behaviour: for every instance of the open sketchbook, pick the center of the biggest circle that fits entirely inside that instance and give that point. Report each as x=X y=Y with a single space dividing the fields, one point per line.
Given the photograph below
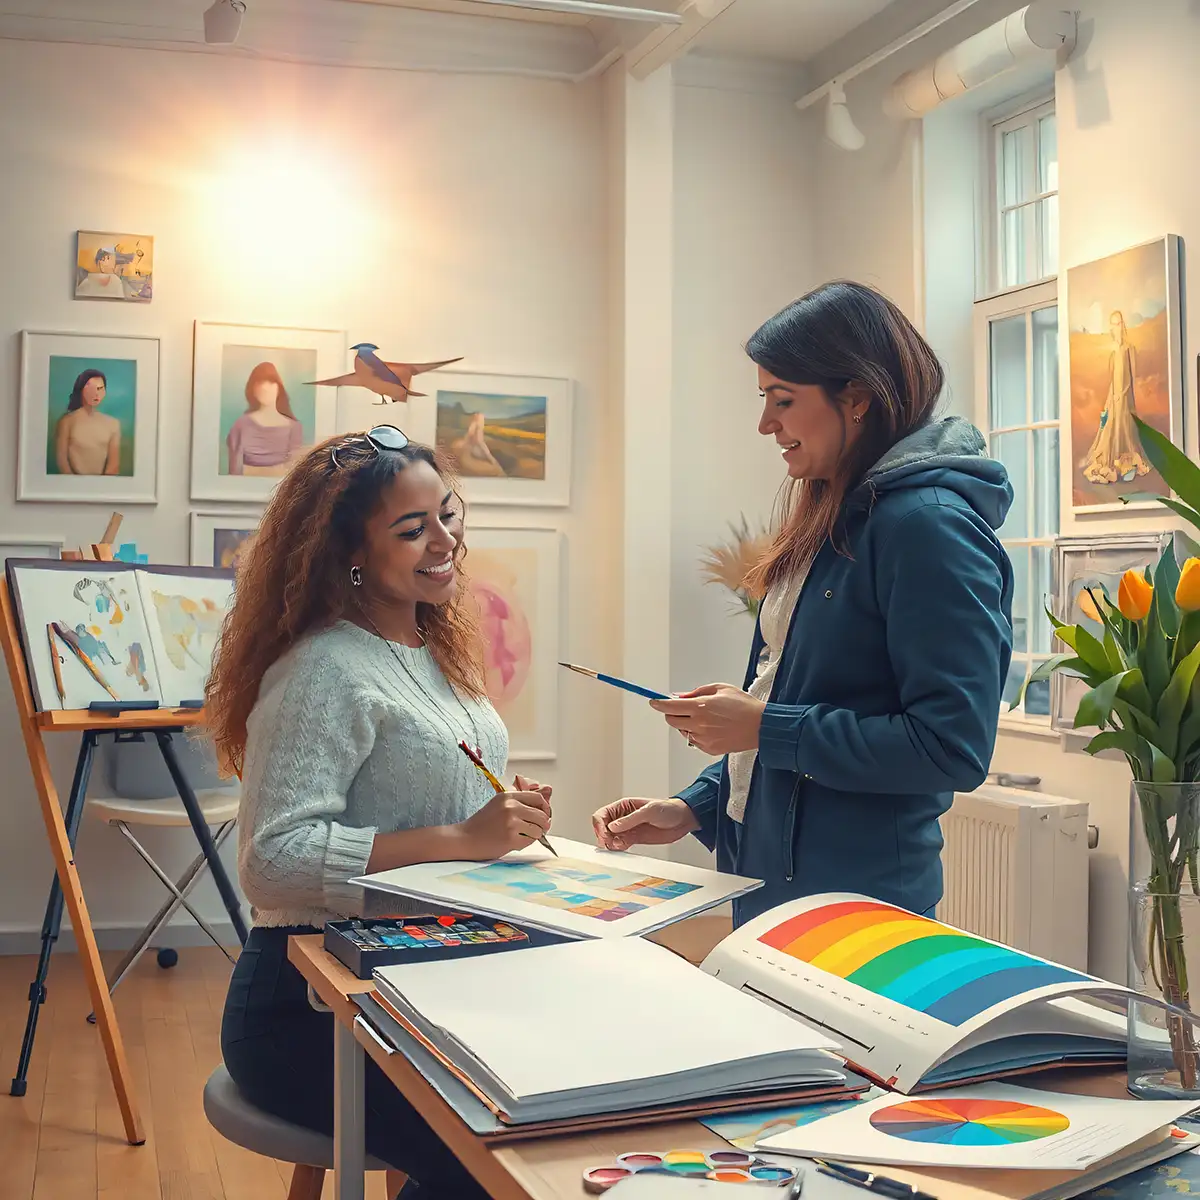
x=584 y=892
x=148 y=633
x=916 y=1004
x=679 y=1035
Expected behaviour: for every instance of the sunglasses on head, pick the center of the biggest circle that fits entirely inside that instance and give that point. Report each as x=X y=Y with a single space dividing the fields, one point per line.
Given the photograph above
x=381 y=438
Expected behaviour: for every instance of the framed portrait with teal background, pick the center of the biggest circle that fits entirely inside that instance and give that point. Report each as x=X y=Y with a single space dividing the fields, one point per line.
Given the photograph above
x=88 y=418
x=255 y=407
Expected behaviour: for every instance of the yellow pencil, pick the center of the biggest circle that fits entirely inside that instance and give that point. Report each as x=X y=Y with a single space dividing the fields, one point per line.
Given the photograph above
x=497 y=785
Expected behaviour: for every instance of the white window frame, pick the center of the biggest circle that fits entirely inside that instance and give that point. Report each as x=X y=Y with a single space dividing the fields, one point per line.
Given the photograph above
x=1008 y=304
x=1026 y=112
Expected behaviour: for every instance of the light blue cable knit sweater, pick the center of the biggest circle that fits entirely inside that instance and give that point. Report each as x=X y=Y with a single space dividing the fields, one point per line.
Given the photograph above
x=341 y=745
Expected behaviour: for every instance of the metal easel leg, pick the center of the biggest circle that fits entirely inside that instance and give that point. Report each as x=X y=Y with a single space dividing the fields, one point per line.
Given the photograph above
x=203 y=836
x=52 y=922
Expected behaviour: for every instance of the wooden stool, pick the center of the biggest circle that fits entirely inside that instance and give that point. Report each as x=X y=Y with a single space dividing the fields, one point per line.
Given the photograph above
x=236 y=1119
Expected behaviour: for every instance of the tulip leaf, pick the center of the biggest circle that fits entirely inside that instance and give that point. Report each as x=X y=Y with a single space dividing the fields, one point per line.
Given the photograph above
x=1096 y=706
x=1114 y=653
x=1162 y=768
x=1153 y=655
x=1088 y=647
x=1136 y=719
x=1166 y=580
x=1174 y=697
x=1180 y=473
x=1189 y=736
x=1115 y=739
x=1186 y=511
x=1134 y=690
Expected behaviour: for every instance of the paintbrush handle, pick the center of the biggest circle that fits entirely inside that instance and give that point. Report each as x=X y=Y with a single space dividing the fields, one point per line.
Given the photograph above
x=82 y=656
x=625 y=685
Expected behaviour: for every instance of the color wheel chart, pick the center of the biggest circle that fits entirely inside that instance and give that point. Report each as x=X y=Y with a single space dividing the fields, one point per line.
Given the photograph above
x=968 y=1122
x=912 y=960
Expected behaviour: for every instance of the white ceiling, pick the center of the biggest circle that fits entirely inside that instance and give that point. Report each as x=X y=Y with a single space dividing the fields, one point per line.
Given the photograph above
x=794 y=30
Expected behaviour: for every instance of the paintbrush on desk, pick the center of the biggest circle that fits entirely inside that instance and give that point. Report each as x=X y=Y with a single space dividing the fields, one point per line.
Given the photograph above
x=623 y=684
x=497 y=785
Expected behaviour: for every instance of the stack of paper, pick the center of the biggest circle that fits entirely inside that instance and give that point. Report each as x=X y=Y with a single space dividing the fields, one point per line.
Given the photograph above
x=603 y=1026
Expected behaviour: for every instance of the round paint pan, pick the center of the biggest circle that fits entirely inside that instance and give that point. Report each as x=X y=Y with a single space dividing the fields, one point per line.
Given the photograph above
x=730 y=1175
x=600 y=1179
x=674 y=1157
x=640 y=1160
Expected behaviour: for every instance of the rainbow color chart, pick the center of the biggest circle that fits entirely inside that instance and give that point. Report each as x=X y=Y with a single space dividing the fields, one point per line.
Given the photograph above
x=912 y=960
x=968 y=1122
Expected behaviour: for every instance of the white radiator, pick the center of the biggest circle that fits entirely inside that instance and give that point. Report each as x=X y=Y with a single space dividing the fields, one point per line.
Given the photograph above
x=1016 y=871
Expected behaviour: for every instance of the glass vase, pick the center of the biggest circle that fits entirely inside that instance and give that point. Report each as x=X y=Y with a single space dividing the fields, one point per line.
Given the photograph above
x=1164 y=939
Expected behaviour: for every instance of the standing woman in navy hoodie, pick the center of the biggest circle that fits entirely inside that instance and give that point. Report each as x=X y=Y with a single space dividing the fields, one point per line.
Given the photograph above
x=884 y=634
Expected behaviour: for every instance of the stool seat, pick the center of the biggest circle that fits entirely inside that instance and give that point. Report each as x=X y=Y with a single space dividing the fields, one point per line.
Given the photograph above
x=235 y=1118
x=218 y=806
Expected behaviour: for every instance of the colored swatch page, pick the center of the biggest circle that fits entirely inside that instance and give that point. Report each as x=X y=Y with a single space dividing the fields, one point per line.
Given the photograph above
x=746 y=1129
x=582 y=891
x=915 y=1003
x=986 y=1125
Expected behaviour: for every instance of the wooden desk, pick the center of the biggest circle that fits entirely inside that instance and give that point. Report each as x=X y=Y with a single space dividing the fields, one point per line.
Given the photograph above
x=552 y=1168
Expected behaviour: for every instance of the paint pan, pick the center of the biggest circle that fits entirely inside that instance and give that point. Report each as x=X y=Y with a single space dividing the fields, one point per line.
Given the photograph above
x=730 y=1175
x=599 y=1179
x=720 y=1159
x=768 y=1173
x=640 y=1160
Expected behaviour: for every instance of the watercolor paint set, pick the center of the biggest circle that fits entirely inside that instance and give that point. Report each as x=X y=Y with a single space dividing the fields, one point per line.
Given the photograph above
x=363 y=945
x=721 y=1166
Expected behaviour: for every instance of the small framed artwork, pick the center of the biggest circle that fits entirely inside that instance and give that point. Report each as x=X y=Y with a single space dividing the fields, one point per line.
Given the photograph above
x=1125 y=360
x=114 y=266
x=220 y=539
x=88 y=418
x=516 y=583
x=255 y=406
x=508 y=436
x=1097 y=563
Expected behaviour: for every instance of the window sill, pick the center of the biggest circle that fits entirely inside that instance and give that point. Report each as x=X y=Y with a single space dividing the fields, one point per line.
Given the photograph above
x=1038 y=727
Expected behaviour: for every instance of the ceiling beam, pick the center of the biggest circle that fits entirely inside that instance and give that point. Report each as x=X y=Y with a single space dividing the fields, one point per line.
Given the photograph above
x=663 y=46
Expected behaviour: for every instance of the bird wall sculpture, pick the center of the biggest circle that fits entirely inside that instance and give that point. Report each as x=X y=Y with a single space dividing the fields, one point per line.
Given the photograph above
x=388 y=380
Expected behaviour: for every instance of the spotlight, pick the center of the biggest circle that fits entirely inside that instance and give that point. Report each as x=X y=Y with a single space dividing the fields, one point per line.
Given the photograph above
x=839 y=124
x=222 y=21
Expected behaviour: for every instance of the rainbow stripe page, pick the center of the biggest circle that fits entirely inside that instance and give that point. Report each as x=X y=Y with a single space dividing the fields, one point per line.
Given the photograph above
x=913 y=960
x=904 y=994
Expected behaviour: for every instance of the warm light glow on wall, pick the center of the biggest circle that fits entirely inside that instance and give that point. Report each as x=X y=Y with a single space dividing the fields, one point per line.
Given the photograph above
x=289 y=213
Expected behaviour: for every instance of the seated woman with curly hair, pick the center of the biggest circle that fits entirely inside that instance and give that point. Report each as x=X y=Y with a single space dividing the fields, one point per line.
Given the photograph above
x=348 y=671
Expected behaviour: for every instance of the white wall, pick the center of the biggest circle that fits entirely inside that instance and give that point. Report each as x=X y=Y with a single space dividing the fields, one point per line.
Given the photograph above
x=743 y=250
x=436 y=215
x=1126 y=104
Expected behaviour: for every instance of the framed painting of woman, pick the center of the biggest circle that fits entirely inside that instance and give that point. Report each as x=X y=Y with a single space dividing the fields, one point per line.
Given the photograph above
x=255 y=407
x=88 y=428
x=1125 y=360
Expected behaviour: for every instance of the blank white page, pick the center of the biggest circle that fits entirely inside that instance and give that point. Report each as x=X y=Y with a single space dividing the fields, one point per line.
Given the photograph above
x=595 y=1013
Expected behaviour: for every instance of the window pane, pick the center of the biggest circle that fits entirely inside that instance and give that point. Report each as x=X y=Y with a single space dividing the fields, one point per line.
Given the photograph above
x=1045 y=483
x=1041 y=629
x=1037 y=699
x=1020 y=602
x=1006 y=403
x=1047 y=154
x=1012 y=449
x=1048 y=236
x=1020 y=245
x=1017 y=671
x=1015 y=184
x=1045 y=363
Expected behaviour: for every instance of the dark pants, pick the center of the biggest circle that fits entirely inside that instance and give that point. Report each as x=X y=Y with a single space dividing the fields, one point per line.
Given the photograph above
x=279 y=1051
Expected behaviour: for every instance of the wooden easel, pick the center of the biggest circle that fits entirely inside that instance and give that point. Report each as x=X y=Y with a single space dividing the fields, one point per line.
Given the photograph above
x=61 y=831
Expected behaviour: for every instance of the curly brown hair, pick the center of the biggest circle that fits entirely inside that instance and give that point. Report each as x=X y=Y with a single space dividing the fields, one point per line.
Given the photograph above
x=295 y=579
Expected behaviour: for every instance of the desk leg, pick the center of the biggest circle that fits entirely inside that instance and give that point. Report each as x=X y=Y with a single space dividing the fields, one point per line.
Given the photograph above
x=349 y=1115
x=203 y=834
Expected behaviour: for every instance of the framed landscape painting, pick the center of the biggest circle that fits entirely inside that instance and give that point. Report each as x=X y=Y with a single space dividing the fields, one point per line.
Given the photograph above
x=508 y=436
x=516 y=583
x=88 y=424
x=255 y=406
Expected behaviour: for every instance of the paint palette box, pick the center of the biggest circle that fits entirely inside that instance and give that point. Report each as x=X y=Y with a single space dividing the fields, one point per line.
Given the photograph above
x=363 y=945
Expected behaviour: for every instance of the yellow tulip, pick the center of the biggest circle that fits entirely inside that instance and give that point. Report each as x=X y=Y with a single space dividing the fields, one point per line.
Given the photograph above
x=1187 y=591
x=1087 y=606
x=1134 y=596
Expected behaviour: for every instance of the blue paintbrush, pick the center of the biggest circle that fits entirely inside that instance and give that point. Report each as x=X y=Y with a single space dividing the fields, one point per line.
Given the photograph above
x=624 y=684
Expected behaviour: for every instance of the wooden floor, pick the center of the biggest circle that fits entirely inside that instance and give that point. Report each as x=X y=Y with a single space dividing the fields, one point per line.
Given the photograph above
x=63 y=1139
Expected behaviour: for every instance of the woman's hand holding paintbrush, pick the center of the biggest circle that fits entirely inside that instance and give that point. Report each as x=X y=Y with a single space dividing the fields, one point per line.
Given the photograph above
x=510 y=820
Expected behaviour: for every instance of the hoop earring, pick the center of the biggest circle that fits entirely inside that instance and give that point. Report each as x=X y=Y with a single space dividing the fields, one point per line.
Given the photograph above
x=356 y=576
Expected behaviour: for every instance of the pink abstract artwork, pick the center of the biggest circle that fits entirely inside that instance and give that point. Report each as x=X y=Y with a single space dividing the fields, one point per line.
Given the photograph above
x=509 y=651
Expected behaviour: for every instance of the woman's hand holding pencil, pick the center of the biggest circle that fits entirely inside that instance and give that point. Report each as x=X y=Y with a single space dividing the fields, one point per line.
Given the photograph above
x=509 y=821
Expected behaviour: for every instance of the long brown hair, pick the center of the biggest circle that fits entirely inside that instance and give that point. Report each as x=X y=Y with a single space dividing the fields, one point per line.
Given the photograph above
x=268 y=372
x=295 y=579
x=842 y=335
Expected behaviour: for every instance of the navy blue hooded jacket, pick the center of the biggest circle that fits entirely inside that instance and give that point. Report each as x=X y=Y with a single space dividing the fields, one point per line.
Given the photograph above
x=888 y=692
